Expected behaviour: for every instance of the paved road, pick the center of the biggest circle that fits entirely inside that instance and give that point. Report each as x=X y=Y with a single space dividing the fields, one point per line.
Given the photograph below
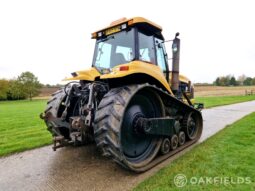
x=84 y=169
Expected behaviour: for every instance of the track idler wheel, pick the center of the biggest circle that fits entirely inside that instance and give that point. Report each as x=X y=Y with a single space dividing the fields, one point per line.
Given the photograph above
x=190 y=125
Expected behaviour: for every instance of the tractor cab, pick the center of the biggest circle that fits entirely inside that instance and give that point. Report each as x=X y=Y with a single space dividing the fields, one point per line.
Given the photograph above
x=141 y=40
x=129 y=40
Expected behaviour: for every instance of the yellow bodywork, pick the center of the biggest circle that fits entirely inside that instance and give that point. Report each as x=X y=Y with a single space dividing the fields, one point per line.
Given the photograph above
x=135 y=67
x=182 y=78
x=130 y=22
x=88 y=75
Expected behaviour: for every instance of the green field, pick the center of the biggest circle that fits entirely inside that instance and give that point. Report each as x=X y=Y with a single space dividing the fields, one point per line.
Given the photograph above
x=20 y=126
x=229 y=154
x=223 y=100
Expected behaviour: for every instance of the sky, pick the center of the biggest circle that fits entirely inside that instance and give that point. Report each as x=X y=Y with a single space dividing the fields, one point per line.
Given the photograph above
x=52 y=38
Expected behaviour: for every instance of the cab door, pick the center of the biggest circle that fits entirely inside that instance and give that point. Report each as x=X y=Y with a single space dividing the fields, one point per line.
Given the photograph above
x=161 y=57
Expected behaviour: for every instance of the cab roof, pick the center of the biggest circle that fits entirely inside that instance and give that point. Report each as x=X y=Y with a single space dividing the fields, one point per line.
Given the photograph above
x=140 y=21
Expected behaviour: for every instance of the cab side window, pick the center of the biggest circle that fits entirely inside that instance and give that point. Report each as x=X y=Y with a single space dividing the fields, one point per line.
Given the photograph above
x=146 y=48
x=160 y=54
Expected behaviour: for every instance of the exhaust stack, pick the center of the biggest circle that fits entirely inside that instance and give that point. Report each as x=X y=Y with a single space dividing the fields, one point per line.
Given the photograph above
x=175 y=64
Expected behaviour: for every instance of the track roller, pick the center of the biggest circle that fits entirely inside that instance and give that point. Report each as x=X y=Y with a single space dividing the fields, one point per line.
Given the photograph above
x=174 y=142
x=182 y=138
x=165 y=146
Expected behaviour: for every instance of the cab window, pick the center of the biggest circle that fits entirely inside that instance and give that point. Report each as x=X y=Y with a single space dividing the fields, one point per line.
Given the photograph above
x=160 y=54
x=146 y=48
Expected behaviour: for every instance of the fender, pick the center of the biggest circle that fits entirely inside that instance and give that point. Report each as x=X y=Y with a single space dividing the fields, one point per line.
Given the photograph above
x=138 y=67
x=88 y=75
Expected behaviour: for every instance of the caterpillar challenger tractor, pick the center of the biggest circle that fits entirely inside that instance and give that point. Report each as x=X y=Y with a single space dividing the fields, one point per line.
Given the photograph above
x=128 y=103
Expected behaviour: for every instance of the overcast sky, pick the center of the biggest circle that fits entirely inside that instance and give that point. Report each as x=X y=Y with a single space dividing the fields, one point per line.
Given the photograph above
x=52 y=38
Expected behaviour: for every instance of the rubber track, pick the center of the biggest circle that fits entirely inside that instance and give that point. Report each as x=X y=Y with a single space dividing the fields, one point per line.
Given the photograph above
x=108 y=121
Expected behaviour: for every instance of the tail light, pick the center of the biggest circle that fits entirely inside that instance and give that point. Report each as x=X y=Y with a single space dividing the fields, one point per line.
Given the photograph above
x=124 y=68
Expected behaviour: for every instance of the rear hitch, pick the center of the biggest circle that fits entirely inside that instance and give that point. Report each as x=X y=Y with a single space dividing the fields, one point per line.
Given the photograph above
x=60 y=141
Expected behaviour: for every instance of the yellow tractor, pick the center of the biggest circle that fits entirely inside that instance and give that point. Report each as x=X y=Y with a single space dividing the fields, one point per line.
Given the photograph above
x=128 y=103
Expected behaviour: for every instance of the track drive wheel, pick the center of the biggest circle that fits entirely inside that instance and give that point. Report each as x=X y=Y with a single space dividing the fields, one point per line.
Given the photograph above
x=115 y=122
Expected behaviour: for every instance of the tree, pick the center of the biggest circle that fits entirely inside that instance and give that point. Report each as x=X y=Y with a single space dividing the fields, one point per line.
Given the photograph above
x=227 y=80
x=241 y=79
x=4 y=86
x=29 y=84
x=223 y=81
x=217 y=81
x=247 y=81
x=253 y=81
x=232 y=81
x=15 y=91
x=220 y=81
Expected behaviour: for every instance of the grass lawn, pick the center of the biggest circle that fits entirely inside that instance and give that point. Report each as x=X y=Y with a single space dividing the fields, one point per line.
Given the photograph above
x=223 y=100
x=20 y=126
x=230 y=153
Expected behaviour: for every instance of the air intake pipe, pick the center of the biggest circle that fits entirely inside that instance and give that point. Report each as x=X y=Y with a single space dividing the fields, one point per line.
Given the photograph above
x=175 y=64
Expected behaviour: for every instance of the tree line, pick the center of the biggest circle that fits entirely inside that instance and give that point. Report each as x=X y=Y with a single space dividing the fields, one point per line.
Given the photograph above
x=230 y=80
x=25 y=86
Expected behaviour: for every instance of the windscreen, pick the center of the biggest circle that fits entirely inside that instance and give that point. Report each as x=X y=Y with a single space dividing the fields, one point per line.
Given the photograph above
x=114 y=49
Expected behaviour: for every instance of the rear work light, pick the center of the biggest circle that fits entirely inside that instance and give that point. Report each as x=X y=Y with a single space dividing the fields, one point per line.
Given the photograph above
x=124 y=68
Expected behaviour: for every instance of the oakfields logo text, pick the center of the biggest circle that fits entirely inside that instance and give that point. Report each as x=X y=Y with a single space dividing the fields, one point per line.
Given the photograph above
x=180 y=180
